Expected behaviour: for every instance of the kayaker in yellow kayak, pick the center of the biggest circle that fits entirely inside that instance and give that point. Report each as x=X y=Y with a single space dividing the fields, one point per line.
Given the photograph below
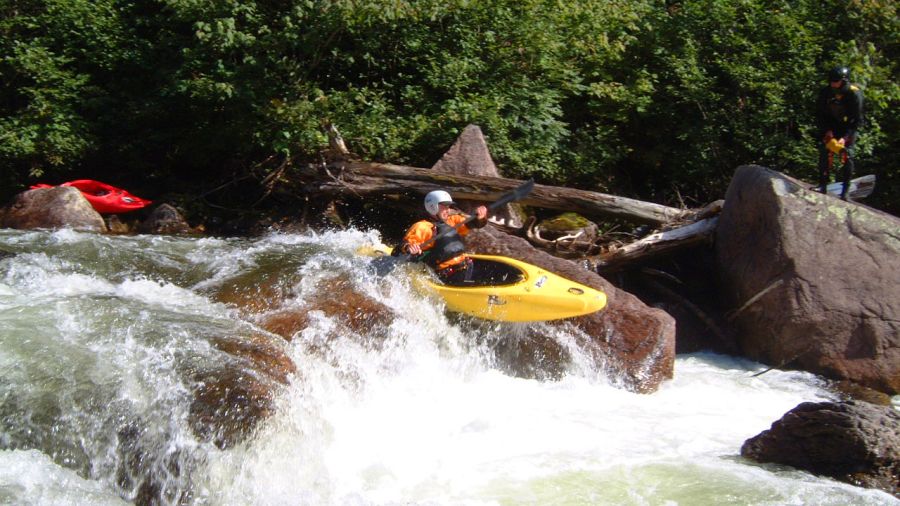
x=446 y=255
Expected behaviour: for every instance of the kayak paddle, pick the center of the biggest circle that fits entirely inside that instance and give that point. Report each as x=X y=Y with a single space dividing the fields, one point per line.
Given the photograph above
x=385 y=264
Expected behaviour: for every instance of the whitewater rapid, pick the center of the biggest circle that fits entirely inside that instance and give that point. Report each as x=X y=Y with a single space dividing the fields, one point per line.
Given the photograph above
x=95 y=330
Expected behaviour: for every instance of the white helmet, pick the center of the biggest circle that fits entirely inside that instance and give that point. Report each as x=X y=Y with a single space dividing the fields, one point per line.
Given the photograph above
x=434 y=198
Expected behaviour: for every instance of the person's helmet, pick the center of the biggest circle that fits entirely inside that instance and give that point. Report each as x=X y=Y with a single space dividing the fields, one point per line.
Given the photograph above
x=839 y=74
x=434 y=198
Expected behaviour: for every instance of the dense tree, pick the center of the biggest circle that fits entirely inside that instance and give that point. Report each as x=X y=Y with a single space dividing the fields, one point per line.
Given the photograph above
x=655 y=99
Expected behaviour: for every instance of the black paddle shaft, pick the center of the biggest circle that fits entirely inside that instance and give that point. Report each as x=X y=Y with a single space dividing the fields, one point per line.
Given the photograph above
x=386 y=264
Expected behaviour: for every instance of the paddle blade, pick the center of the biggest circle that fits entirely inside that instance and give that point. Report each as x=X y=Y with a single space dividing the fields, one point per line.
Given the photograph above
x=383 y=265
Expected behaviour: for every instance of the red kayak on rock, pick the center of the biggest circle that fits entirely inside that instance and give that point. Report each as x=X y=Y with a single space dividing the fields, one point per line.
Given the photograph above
x=106 y=199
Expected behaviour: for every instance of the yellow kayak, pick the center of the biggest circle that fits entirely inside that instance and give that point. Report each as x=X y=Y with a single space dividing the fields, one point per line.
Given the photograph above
x=510 y=290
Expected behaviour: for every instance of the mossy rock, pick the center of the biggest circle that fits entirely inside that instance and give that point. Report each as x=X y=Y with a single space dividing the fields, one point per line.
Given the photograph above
x=566 y=222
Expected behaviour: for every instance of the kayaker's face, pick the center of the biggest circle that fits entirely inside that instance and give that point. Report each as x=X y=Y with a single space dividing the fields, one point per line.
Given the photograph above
x=443 y=211
x=838 y=87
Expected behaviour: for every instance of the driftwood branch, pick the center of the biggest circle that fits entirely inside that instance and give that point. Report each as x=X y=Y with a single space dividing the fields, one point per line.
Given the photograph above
x=655 y=244
x=365 y=178
x=759 y=295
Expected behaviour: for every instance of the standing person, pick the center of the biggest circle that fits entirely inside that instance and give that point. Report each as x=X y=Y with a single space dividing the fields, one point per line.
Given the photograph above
x=839 y=116
x=446 y=255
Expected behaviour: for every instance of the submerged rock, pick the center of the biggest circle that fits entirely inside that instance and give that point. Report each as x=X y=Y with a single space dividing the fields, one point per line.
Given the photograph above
x=228 y=404
x=232 y=397
x=812 y=279
x=855 y=442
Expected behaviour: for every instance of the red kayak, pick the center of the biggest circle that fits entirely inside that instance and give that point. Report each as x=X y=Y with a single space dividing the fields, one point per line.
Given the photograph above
x=106 y=199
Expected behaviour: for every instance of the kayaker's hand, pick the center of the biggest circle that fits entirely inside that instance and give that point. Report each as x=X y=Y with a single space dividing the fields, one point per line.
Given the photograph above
x=481 y=213
x=414 y=249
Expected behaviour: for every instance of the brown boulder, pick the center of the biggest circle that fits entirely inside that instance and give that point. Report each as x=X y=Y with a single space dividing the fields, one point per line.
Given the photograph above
x=228 y=403
x=58 y=207
x=470 y=156
x=635 y=343
x=261 y=353
x=812 y=279
x=232 y=396
x=356 y=312
x=267 y=299
x=855 y=442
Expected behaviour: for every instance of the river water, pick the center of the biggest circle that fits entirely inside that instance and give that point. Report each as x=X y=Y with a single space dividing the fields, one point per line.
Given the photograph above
x=96 y=331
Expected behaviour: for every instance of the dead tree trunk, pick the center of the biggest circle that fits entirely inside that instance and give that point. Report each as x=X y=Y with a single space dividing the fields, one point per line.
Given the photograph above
x=655 y=244
x=364 y=178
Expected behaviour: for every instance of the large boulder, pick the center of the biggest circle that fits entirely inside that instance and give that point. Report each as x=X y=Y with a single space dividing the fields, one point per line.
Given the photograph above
x=470 y=156
x=855 y=442
x=634 y=343
x=57 y=207
x=812 y=280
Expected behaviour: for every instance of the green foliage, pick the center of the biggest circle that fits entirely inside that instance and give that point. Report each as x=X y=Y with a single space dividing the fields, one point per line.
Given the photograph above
x=652 y=99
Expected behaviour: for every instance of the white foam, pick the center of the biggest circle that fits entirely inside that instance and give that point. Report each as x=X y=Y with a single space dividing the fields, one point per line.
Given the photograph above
x=28 y=477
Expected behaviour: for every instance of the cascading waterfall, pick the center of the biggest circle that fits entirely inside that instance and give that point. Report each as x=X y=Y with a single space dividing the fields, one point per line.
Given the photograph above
x=100 y=335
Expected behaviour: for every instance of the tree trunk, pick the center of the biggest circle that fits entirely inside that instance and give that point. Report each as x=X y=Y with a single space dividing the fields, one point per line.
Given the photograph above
x=365 y=178
x=655 y=244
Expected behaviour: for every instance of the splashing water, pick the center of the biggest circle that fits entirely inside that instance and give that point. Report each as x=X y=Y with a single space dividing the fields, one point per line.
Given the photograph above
x=100 y=332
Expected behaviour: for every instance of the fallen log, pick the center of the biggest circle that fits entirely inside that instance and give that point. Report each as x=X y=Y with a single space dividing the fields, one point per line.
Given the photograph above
x=367 y=178
x=655 y=244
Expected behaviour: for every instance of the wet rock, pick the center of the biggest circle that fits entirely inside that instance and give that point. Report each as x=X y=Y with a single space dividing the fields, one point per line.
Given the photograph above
x=533 y=355
x=257 y=292
x=165 y=219
x=148 y=478
x=228 y=403
x=58 y=207
x=268 y=299
x=232 y=397
x=117 y=226
x=855 y=442
x=261 y=354
x=356 y=312
x=633 y=342
x=850 y=391
x=285 y=322
x=811 y=279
